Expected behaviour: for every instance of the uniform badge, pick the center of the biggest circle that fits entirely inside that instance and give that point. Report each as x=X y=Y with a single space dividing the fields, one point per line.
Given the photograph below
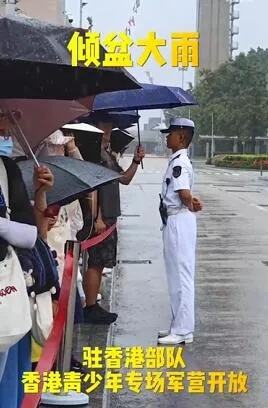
x=176 y=171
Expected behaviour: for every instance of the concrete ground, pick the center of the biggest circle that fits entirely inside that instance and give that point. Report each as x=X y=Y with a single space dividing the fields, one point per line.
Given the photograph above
x=231 y=283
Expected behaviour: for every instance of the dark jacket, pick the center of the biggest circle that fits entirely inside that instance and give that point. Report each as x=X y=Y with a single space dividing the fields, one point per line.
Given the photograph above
x=109 y=194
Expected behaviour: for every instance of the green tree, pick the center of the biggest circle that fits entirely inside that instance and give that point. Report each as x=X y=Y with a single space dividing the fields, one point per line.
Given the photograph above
x=237 y=95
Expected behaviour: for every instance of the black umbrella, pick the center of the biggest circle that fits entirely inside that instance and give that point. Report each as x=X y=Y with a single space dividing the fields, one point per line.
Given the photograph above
x=121 y=120
x=73 y=178
x=35 y=63
x=88 y=140
x=120 y=139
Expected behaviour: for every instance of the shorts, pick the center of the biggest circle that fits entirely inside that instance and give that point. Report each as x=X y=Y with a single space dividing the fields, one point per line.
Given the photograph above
x=104 y=254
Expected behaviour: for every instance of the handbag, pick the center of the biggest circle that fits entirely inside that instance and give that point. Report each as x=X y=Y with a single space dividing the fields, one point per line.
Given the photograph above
x=42 y=317
x=40 y=272
x=15 y=315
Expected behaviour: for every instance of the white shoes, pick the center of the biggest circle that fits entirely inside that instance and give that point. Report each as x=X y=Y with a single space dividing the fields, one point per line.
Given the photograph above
x=163 y=333
x=99 y=297
x=107 y=271
x=174 y=339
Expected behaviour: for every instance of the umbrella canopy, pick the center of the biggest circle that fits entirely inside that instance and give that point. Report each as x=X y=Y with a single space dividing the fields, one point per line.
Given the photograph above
x=88 y=139
x=124 y=120
x=148 y=97
x=83 y=127
x=120 y=139
x=73 y=178
x=121 y=120
x=39 y=118
x=35 y=63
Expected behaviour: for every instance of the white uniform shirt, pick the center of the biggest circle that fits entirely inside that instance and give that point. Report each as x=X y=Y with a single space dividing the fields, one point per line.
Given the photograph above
x=179 y=176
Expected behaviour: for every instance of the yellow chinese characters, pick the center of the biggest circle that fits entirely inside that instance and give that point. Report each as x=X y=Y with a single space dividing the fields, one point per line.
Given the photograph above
x=113 y=357
x=117 y=54
x=92 y=381
x=155 y=369
x=134 y=381
x=194 y=382
x=185 y=50
x=86 y=49
x=151 y=45
x=93 y=357
x=31 y=381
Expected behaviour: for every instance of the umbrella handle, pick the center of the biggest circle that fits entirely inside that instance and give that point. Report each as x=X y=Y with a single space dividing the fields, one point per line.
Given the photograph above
x=139 y=135
x=21 y=135
x=142 y=166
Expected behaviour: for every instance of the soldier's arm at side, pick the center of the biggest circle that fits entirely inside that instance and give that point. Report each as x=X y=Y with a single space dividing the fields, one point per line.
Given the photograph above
x=181 y=181
x=186 y=198
x=197 y=204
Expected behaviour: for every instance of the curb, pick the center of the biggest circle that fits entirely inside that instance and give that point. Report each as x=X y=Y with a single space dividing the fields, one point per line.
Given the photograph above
x=106 y=394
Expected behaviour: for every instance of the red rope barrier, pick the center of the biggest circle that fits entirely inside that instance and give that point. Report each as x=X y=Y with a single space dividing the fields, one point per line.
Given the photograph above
x=98 y=239
x=53 y=342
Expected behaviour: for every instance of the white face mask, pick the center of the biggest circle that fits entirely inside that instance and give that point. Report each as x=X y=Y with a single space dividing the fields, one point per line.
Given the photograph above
x=6 y=146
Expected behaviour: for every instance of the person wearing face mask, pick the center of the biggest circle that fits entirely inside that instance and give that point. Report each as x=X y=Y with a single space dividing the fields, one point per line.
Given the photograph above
x=17 y=228
x=6 y=146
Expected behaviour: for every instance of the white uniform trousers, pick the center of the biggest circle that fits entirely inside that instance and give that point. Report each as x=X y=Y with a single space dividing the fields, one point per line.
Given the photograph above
x=179 y=237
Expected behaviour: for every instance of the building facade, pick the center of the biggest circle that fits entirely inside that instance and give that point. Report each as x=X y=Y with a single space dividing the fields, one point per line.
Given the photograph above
x=52 y=11
x=213 y=24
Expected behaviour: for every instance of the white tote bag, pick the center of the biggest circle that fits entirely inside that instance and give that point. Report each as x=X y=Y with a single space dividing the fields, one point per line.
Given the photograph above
x=42 y=317
x=15 y=316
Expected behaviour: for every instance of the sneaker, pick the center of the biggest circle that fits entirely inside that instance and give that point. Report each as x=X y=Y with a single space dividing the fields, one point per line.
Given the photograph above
x=163 y=333
x=107 y=271
x=77 y=366
x=174 y=339
x=97 y=315
x=99 y=297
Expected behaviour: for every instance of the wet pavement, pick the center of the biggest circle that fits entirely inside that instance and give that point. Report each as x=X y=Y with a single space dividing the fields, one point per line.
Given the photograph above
x=231 y=283
x=91 y=335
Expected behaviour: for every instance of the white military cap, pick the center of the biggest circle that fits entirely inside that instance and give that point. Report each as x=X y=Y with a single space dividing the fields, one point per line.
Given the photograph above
x=179 y=123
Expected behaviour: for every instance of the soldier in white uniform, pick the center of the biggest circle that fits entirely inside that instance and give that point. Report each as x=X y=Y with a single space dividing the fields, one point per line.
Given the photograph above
x=178 y=207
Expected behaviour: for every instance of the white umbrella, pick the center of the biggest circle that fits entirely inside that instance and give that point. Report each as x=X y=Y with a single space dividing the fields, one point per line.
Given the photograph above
x=83 y=126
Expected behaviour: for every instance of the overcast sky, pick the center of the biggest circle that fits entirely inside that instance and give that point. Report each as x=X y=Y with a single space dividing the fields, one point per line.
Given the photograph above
x=164 y=17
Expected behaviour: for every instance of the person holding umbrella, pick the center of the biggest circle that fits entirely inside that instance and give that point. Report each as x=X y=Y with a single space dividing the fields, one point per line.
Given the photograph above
x=103 y=255
x=69 y=220
x=17 y=229
x=177 y=209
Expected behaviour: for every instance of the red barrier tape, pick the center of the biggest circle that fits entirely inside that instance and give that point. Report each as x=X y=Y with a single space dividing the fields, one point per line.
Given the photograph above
x=53 y=342
x=99 y=238
x=52 y=345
